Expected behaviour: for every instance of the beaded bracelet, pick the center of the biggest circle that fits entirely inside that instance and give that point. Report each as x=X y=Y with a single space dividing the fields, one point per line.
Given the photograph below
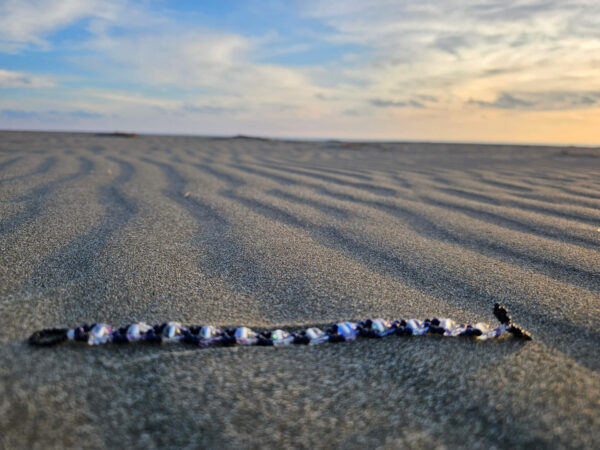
x=207 y=335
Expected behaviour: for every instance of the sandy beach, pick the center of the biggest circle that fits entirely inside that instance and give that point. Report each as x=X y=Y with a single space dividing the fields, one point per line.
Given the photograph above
x=264 y=233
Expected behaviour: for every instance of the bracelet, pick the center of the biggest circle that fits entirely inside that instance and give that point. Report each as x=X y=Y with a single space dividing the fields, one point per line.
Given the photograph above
x=208 y=335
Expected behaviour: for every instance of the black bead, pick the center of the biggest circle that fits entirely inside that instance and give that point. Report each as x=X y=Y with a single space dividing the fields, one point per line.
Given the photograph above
x=433 y=329
x=402 y=331
x=435 y=321
x=155 y=338
x=301 y=340
x=263 y=341
x=119 y=338
x=227 y=340
x=80 y=334
x=152 y=337
x=189 y=338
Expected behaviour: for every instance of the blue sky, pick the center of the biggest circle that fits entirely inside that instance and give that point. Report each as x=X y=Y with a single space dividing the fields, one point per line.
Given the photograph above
x=485 y=70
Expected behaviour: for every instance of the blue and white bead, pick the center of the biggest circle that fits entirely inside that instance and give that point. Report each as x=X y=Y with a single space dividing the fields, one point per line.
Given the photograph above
x=381 y=327
x=316 y=336
x=417 y=327
x=451 y=328
x=136 y=331
x=100 y=333
x=488 y=332
x=208 y=332
x=281 y=337
x=347 y=330
x=245 y=336
x=172 y=332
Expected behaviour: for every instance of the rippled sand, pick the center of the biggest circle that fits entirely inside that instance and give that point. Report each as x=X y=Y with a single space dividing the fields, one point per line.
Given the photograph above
x=264 y=233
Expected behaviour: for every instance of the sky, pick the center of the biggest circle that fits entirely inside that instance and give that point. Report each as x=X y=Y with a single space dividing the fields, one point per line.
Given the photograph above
x=439 y=70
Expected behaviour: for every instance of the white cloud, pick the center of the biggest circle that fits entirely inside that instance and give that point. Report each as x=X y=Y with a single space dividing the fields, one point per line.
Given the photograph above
x=23 y=22
x=28 y=22
x=168 y=57
x=457 y=50
x=215 y=70
x=10 y=79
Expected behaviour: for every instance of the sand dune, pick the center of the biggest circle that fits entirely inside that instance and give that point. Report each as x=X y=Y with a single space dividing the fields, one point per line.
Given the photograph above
x=265 y=232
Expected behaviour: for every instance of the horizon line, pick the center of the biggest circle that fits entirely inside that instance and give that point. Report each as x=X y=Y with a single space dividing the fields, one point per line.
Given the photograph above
x=312 y=139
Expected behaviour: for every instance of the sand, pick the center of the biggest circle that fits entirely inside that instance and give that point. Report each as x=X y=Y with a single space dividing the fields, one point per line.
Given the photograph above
x=265 y=233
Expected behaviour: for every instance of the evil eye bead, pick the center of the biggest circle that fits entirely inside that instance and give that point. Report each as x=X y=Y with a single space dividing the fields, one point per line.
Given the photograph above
x=100 y=334
x=447 y=324
x=498 y=331
x=208 y=332
x=487 y=332
x=347 y=330
x=316 y=336
x=417 y=327
x=172 y=332
x=244 y=336
x=451 y=328
x=136 y=331
x=280 y=337
x=380 y=327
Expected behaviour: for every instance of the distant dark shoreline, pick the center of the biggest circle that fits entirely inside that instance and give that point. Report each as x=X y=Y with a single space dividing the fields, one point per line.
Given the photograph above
x=309 y=139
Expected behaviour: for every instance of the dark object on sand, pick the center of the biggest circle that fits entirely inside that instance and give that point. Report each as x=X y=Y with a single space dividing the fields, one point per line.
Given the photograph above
x=50 y=336
x=504 y=318
x=207 y=335
x=117 y=134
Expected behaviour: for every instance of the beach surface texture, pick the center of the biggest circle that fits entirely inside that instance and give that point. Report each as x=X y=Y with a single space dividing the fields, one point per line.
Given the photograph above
x=265 y=233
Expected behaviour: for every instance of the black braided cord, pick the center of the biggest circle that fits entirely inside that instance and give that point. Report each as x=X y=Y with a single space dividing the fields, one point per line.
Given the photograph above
x=54 y=336
x=48 y=337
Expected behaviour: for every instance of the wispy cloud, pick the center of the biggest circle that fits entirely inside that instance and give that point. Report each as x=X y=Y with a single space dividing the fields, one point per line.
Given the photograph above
x=461 y=50
x=24 y=23
x=27 y=23
x=10 y=79
x=48 y=115
x=206 y=109
x=542 y=101
x=380 y=103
